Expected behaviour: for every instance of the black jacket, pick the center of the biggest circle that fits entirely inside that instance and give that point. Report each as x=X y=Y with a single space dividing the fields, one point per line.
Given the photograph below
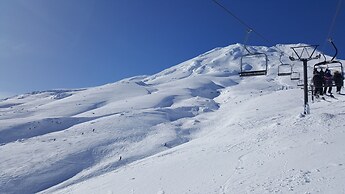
x=317 y=80
x=338 y=79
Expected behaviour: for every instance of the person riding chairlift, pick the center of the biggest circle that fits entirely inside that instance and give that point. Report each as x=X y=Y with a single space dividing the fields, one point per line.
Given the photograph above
x=338 y=80
x=318 y=83
x=328 y=81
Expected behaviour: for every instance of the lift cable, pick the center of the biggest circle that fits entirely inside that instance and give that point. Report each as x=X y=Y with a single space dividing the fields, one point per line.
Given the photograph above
x=267 y=40
x=331 y=28
x=246 y=25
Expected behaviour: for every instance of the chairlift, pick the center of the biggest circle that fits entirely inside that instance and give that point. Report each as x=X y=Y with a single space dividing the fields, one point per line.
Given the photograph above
x=253 y=64
x=284 y=69
x=250 y=69
x=300 y=83
x=333 y=65
x=295 y=75
x=330 y=65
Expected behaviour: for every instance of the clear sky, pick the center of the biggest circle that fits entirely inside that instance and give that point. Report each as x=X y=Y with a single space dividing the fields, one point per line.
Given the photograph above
x=50 y=44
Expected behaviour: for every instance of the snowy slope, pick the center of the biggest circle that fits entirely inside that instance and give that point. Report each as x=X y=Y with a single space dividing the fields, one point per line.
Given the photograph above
x=196 y=127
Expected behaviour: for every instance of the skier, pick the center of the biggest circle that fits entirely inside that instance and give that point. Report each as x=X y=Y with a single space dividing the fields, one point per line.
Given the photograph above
x=317 y=81
x=338 y=80
x=328 y=79
x=322 y=74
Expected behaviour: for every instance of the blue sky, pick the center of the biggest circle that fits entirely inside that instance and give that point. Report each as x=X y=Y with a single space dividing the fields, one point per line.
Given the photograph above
x=49 y=44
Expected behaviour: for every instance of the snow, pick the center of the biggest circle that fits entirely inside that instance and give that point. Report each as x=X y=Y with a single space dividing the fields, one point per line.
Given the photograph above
x=196 y=127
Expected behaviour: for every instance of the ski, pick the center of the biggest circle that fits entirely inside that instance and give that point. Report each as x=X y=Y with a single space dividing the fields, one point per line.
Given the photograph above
x=318 y=99
x=323 y=98
x=332 y=96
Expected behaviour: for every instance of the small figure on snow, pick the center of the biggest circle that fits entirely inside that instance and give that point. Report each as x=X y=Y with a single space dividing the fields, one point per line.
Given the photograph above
x=338 y=80
x=328 y=81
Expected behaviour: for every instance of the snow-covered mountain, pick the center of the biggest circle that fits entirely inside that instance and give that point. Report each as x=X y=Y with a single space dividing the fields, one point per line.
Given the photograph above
x=196 y=127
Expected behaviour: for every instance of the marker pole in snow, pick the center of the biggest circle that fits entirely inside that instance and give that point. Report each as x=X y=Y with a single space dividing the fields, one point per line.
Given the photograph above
x=305 y=69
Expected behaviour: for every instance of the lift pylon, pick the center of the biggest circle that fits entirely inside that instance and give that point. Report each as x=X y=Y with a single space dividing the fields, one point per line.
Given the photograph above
x=305 y=60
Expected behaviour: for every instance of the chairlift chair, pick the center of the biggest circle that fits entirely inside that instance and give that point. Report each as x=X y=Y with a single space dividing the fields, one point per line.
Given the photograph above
x=332 y=64
x=248 y=70
x=295 y=75
x=284 y=69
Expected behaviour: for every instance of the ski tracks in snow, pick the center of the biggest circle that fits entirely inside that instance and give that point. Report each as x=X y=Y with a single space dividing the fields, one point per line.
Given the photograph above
x=258 y=147
x=271 y=142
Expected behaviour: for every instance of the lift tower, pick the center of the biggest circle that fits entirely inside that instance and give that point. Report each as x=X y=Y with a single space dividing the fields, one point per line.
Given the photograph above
x=305 y=58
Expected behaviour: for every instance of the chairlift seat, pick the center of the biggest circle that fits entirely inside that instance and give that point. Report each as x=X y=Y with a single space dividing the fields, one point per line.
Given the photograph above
x=253 y=73
x=284 y=74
